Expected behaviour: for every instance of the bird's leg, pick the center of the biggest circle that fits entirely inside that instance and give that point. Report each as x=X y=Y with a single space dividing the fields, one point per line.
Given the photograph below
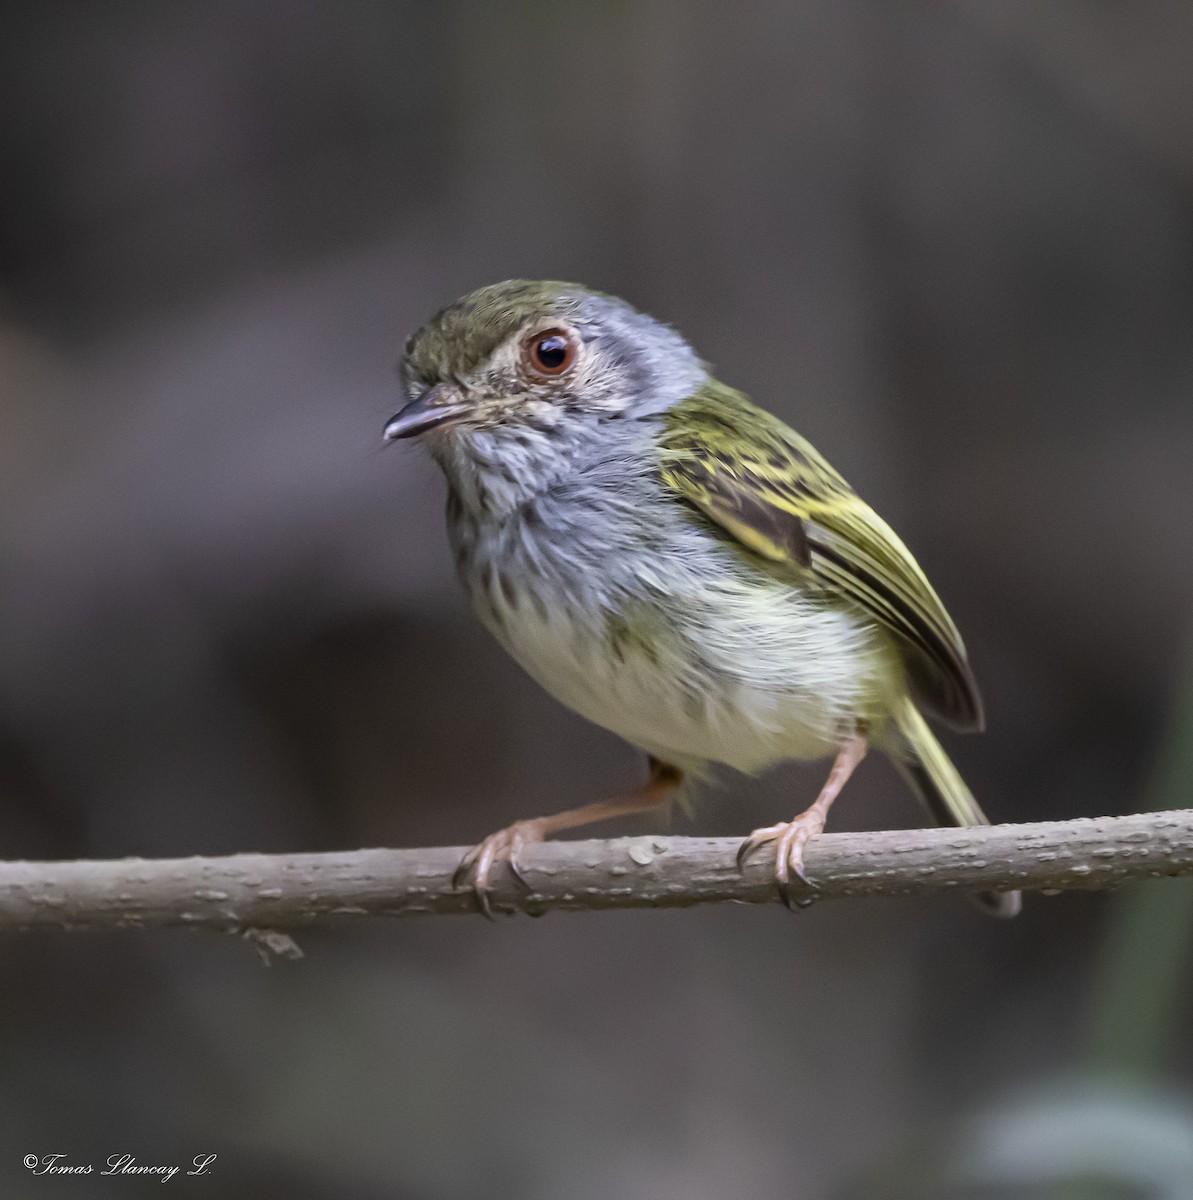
x=791 y=836
x=505 y=844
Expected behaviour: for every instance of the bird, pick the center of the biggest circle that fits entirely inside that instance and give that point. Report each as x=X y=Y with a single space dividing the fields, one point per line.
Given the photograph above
x=677 y=565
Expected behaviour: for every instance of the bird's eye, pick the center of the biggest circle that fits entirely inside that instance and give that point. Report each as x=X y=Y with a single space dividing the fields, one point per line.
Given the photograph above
x=552 y=352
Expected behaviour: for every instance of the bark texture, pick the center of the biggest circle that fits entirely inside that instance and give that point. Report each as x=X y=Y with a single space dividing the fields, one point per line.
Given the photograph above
x=253 y=893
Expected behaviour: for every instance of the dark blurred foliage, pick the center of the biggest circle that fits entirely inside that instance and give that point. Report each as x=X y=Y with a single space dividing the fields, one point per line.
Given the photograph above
x=952 y=243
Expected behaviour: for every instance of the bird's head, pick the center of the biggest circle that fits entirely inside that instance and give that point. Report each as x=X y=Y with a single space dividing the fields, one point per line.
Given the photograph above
x=537 y=359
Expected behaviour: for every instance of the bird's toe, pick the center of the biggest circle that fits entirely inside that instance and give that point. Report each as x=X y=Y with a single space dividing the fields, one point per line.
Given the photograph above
x=502 y=846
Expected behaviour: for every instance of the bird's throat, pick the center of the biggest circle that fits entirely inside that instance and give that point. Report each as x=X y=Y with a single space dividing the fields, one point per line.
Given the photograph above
x=494 y=472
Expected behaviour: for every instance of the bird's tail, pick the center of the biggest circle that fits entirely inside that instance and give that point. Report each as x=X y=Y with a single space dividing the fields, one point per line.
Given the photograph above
x=921 y=760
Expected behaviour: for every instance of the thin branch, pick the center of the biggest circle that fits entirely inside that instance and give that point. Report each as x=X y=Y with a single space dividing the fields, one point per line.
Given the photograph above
x=256 y=892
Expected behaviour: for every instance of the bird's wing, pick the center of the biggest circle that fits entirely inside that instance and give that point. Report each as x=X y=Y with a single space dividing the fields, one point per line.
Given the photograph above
x=761 y=482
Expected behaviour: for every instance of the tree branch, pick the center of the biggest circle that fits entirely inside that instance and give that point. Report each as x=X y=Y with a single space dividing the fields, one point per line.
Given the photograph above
x=256 y=892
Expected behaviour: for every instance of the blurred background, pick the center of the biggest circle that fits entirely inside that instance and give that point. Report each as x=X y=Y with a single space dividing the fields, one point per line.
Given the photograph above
x=952 y=243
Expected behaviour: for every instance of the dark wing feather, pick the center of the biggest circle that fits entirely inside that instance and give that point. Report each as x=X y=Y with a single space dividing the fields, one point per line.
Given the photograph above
x=762 y=483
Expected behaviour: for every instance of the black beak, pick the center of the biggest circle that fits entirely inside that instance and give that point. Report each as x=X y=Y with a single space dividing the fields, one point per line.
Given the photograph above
x=435 y=407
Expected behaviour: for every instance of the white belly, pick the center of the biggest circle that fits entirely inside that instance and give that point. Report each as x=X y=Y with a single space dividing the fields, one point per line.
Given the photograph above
x=733 y=674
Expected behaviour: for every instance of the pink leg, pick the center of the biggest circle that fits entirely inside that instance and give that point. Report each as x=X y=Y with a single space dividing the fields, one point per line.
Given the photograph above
x=505 y=844
x=791 y=836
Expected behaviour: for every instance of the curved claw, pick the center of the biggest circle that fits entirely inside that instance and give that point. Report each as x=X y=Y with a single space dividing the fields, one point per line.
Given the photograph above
x=789 y=837
x=477 y=860
x=746 y=849
x=502 y=846
x=462 y=870
x=757 y=839
x=795 y=856
x=516 y=868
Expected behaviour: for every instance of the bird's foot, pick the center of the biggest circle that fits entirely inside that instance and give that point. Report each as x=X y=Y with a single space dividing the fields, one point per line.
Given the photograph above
x=506 y=844
x=790 y=838
x=503 y=846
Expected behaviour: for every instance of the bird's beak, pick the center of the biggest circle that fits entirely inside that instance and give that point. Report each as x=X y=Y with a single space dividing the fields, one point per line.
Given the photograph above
x=435 y=407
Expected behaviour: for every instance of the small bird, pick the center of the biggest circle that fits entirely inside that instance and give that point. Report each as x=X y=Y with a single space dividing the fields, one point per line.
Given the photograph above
x=676 y=564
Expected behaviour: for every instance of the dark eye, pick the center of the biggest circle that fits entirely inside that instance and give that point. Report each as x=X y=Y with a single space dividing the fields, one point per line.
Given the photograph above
x=552 y=352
